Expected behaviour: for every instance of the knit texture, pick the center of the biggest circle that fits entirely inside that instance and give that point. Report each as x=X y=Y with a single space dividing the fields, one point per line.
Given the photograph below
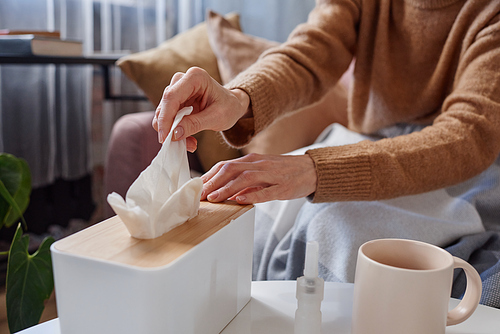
x=430 y=62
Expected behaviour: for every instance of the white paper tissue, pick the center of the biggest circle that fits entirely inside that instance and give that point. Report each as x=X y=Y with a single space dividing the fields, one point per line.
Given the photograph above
x=164 y=195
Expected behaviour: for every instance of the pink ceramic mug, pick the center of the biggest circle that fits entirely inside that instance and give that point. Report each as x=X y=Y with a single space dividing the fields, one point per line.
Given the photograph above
x=403 y=286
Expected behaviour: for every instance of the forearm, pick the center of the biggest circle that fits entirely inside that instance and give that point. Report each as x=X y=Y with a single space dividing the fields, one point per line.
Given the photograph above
x=439 y=156
x=300 y=71
x=463 y=140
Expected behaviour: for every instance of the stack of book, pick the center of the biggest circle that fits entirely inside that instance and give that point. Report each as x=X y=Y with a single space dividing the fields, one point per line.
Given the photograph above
x=37 y=43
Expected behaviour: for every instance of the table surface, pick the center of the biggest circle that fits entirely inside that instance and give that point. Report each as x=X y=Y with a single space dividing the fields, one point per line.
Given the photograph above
x=273 y=304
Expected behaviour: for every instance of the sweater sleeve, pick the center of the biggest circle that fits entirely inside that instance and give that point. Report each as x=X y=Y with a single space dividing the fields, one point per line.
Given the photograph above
x=462 y=142
x=300 y=71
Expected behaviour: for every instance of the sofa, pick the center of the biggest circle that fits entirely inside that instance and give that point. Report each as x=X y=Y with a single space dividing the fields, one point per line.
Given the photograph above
x=219 y=46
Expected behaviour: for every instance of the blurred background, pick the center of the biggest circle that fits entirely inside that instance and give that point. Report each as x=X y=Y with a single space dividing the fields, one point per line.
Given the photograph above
x=55 y=117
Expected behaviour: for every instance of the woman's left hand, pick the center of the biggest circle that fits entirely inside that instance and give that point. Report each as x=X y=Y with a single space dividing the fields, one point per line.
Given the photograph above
x=257 y=178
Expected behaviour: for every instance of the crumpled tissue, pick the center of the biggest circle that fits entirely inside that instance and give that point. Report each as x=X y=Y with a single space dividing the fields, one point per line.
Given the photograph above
x=164 y=195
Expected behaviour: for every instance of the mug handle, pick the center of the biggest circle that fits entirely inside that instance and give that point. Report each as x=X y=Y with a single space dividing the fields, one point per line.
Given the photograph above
x=472 y=295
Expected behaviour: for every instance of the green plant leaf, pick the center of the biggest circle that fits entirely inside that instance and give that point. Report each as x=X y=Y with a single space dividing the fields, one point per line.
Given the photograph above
x=29 y=281
x=15 y=208
x=15 y=177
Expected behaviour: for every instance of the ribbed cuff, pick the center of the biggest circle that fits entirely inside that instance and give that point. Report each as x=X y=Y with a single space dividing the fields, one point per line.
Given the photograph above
x=344 y=174
x=240 y=134
x=261 y=101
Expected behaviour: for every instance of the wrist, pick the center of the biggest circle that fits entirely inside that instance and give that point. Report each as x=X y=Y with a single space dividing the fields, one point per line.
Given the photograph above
x=311 y=174
x=244 y=101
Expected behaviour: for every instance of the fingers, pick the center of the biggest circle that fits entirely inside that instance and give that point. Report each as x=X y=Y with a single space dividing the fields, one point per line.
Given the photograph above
x=183 y=87
x=214 y=106
x=219 y=110
x=191 y=144
x=258 y=195
x=260 y=178
x=241 y=184
x=225 y=171
x=236 y=179
x=212 y=179
x=175 y=78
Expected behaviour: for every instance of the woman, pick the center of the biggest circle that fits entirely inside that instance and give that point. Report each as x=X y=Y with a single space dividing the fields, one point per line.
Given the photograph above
x=426 y=81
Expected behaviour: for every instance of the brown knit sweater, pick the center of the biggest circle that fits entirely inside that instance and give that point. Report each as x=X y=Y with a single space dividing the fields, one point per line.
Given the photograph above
x=434 y=62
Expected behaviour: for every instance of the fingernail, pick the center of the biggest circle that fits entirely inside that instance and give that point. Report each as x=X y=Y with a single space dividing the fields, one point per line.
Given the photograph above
x=241 y=199
x=178 y=133
x=161 y=136
x=213 y=196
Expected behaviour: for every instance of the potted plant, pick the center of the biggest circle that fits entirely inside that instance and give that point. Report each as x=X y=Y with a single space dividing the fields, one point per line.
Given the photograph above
x=29 y=276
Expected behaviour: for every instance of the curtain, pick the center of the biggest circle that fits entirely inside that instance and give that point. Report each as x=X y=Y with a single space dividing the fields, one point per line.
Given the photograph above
x=54 y=116
x=271 y=19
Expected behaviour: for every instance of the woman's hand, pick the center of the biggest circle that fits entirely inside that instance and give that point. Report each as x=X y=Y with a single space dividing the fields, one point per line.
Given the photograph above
x=214 y=107
x=257 y=178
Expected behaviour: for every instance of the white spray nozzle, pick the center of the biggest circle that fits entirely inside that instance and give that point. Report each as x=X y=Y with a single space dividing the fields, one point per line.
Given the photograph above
x=311 y=263
x=310 y=291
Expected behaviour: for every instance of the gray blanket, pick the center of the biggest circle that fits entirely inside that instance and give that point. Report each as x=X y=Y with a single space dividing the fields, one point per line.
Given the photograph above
x=482 y=250
x=464 y=219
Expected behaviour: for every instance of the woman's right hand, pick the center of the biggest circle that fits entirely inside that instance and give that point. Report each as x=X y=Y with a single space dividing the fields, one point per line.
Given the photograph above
x=214 y=106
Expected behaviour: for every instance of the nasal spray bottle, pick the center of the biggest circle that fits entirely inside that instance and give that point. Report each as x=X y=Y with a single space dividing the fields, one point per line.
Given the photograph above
x=310 y=290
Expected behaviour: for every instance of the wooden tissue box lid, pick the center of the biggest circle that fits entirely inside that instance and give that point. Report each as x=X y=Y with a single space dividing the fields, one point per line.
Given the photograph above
x=111 y=241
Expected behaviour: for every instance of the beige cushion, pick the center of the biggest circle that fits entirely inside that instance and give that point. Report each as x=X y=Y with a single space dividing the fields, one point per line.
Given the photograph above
x=235 y=52
x=152 y=70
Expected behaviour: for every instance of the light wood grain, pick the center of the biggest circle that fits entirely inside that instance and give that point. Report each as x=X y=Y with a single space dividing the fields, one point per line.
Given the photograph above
x=111 y=241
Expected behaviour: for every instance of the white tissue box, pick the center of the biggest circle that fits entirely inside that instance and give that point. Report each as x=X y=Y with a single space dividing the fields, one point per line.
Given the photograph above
x=193 y=279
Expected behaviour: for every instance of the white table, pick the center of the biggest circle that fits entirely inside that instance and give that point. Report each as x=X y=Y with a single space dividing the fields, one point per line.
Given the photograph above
x=273 y=304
